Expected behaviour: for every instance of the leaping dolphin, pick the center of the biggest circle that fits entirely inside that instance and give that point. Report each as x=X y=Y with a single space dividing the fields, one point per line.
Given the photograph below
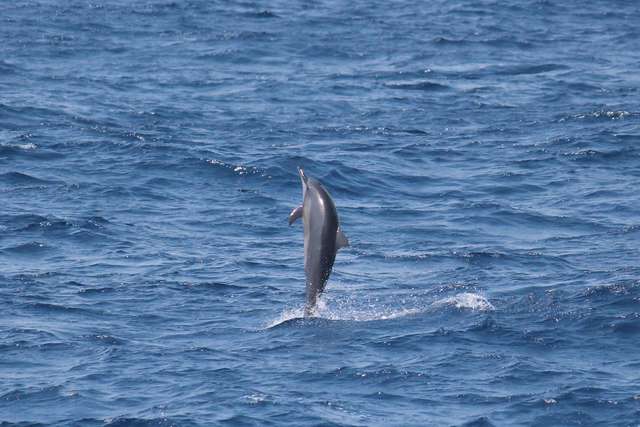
x=322 y=237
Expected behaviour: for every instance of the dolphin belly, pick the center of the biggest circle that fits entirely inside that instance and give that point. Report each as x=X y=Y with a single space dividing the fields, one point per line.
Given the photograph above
x=320 y=255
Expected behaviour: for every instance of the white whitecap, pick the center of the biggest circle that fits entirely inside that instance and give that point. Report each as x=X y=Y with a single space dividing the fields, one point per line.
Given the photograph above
x=27 y=146
x=367 y=313
x=467 y=300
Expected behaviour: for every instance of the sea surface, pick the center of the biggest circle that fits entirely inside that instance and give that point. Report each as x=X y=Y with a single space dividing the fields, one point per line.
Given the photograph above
x=484 y=158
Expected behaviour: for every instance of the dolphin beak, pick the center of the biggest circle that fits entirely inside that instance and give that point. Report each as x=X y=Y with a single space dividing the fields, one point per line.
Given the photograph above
x=303 y=177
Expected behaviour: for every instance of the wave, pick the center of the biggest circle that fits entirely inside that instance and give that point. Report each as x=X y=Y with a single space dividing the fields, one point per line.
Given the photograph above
x=261 y=14
x=44 y=393
x=50 y=228
x=592 y=155
x=528 y=69
x=503 y=42
x=478 y=422
x=7 y=68
x=426 y=86
x=19 y=178
x=16 y=149
x=235 y=169
x=26 y=249
x=89 y=292
x=148 y=422
x=467 y=300
x=601 y=115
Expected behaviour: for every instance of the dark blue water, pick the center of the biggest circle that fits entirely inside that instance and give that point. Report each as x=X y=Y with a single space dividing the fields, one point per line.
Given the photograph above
x=484 y=158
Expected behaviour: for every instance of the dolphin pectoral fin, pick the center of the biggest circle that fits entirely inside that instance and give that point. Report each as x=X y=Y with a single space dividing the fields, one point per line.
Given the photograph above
x=341 y=240
x=295 y=214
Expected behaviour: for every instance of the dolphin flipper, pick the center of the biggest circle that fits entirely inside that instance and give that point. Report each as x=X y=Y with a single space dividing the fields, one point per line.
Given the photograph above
x=295 y=214
x=341 y=240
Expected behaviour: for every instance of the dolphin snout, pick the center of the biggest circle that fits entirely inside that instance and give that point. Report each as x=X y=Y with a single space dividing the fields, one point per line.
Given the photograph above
x=303 y=177
x=303 y=180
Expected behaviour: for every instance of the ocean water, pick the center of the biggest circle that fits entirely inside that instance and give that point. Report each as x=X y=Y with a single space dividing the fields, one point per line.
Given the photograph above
x=484 y=157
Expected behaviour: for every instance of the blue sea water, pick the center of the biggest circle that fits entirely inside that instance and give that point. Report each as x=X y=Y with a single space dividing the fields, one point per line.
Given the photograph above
x=484 y=157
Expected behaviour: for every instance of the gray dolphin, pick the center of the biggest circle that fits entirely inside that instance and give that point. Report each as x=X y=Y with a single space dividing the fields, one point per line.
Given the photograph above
x=322 y=236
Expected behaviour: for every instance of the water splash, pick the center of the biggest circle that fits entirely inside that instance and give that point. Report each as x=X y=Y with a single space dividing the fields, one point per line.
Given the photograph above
x=348 y=309
x=286 y=316
x=467 y=300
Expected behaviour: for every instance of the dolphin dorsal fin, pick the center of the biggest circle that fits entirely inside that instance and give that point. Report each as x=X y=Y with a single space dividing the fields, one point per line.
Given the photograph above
x=341 y=239
x=295 y=214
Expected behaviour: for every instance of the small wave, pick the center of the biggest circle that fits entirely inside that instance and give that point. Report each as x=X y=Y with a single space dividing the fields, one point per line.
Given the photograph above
x=239 y=170
x=31 y=393
x=500 y=41
x=262 y=14
x=26 y=149
x=478 y=422
x=48 y=224
x=601 y=155
x=529 y=69
x=104 y=339
x=20 y=178
x=613 y=115
x=22 y=147
x=630 y=325
x=96 y=291
x=8 y=68
x=30 y=248
x=256 y=398
x=95 y=222
x=56 y=308
x=601 y=115
x=615 y=289
x=445 y=40
x=144 y=422
x=366 y=130
x=422 y=85
x=51 y=224
x=467 y=300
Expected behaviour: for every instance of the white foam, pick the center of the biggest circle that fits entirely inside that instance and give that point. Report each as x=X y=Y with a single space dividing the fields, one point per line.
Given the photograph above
x=255 y=398
x=28 y=146
x=467 y=300
x=368 y=313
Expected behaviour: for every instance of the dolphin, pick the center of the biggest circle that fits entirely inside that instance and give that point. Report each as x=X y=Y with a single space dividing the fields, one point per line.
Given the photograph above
x=322 y=237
